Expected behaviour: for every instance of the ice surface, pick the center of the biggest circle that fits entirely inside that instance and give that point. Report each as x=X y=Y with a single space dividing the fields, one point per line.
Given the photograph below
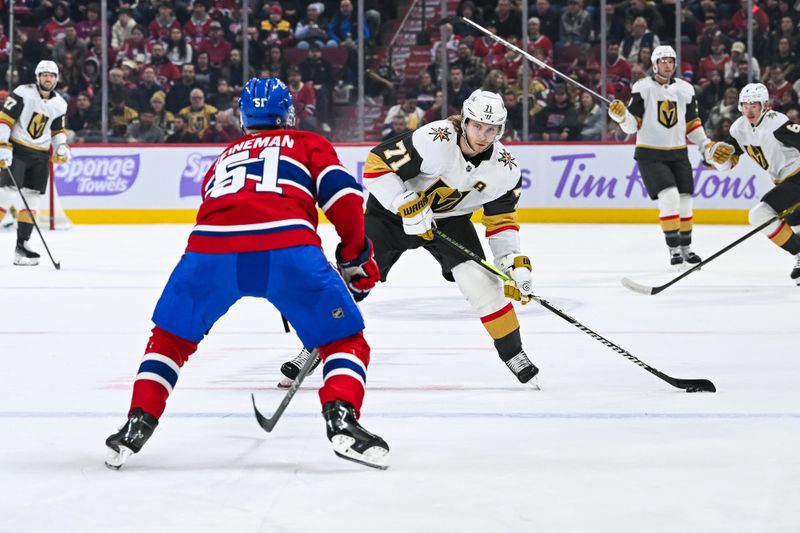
x=604 y=447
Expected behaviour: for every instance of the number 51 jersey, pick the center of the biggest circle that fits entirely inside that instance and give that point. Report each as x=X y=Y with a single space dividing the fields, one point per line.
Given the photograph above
x=262 y=193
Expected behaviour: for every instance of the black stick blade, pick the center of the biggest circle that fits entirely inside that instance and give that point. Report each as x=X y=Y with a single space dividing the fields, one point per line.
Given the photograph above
x=267 y=424
x=695 y=385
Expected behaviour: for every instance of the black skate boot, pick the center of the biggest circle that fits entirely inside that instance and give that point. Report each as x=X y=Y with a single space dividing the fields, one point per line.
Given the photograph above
x=130 y=438
x=522 y=367
x=795 y=275
x=350 y=440
x=675 y=257
x=290 y=369
x=23 y=255
x=689 y=256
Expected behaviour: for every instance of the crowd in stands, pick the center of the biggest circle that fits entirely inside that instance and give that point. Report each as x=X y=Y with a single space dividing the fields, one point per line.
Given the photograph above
x=176 y=68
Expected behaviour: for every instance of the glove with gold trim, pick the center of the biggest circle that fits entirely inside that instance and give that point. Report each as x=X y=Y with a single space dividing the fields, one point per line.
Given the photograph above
x=6 y=155
x=519 y=287
x=717 y=153
x=61 y=154
x=617 y=111
x=416 y=213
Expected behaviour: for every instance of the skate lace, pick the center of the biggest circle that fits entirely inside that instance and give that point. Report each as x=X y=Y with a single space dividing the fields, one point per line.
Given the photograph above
x=301 y=358
x=518 y=363
x=797 y=261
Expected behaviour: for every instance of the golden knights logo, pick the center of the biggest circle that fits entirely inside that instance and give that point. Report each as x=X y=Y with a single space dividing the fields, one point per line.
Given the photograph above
x=758 y=155
x=443 y=197
x=667 y=113
x=440 y=134
x=37 y=125
x=507 y=159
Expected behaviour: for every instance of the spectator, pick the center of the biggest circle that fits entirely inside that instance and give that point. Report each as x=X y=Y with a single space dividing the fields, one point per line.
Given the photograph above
x=457 y=90
x=234 y=71
x=590 y=117
x=70 y=43
x=122 y=29
x=181 y=135
x=711 y=93
x=711 y=33
x=618 y=71
x=426 y=90
x=148 y=86
x=120 y=116
x=467 y=9
x=95 y=49
x=640 y=8
x=343 y=26
x=739 y=19
x=196 y=28
x=205 y=74
x=224 y=131
x=640 y=37
x=485 y=46
x=84 y=120
x=217 y=48
x=644 y=58
x=451 y=43
x=777 y=85
x=222 y=98
x=70 y=79
x=54 y=30
x=725 y=109
x=549 y=19
x=162 y=25
x=90 y=24
x=737 y=55
x=90 y=76
x=145 y=130
x=576 y=24
x=507 y=20
x=311 y=29
x=722 y=131
x=793 y=115
x=509 y=63
x=178 y=95
x=199 y=115
x=413 y=115
x=136 y=47
x=399 y=126
x=637 y=73
x=536 y=39
x=162 y=118
x=275 y=29
x=166 y=72
x=379 y=82
x=320 y=73
x=715 y=61
x=558 y=121
x=514 y=113
x=117 y=84
x=304 y=99
x=4 y=47
x=788 y=100
x=474 y=68
x=786 y=58
x=179 y=52
x=35 y=50
x=495 y=81
x=435 y=111
x=276 y=62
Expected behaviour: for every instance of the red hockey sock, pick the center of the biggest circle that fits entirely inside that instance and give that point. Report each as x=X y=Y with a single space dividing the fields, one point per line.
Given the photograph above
x=158 y=372
x=344 y=370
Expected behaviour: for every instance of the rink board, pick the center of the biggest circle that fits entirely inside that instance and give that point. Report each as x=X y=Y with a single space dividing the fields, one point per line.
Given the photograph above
x=575 y=182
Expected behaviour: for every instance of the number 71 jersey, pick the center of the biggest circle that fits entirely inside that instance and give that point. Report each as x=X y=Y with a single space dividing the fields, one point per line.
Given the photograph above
x=262 y=193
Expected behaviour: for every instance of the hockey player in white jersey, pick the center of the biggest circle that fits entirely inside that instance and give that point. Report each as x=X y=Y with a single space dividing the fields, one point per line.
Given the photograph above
x=31 y=120
x=444 y=172
x=663 y=114
x=773 y=142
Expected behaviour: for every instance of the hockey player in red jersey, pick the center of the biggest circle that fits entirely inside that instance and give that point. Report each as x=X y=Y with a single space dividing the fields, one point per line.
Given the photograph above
x=256 y=236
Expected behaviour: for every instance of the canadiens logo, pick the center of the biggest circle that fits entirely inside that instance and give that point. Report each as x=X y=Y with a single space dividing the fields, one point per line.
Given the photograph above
x=440 y=134
x=507 y=159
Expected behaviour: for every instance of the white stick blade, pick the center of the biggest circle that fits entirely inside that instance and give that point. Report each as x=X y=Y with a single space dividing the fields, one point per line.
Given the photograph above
x=636 y=287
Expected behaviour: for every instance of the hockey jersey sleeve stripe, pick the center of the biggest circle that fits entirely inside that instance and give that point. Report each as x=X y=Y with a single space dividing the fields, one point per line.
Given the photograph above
x=344 y=192
x=500 y=222
x=5 y=119
x=331 y=182
x=262 y=227
x=375 y=167
x=290 y=183
x=693 y=125
x=495 y=231
x=292 y=170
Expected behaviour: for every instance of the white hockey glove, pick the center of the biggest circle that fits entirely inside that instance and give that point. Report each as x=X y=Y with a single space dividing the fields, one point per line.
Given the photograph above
x=61 y=154
x=717 y=153
x=416 y=213
x=6 y=155
x=617 y=111
x=519 y=287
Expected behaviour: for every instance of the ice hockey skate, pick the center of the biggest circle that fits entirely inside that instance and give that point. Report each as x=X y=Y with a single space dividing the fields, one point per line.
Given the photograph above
x=350 y=440
x=130 y=438
x=675 y=257
x=689 y=256
x=23 y=255
x=795 y=275
x=290 y=369
x=522 y=367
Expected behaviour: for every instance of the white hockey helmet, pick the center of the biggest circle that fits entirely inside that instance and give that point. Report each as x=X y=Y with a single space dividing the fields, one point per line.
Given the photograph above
x=754 y=93
x=661 y=52
x=46 y=66
x=486 y=107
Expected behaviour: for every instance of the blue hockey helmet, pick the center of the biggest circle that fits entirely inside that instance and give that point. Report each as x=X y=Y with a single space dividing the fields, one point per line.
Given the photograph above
x=266 y=102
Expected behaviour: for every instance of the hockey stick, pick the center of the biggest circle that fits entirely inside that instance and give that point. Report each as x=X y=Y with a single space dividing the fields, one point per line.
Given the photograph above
x=689 y=385
x=56 y=264
x=536 y=61
x=645 y=289
x=268 y=423
x=285 y=324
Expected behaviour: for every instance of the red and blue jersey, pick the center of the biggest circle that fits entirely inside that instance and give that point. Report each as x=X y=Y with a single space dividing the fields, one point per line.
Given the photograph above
x=262 y=193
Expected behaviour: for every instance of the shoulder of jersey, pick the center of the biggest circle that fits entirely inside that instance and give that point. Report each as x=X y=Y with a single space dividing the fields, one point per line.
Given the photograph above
x=685 y=87
x=775 y=119
x=29 y=89
x=739 y=124
x=437 y=133
x=502 y=158
x=642 y=84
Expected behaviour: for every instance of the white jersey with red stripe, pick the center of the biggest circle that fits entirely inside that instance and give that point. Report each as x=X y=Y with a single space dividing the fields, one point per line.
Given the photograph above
x=262 y=193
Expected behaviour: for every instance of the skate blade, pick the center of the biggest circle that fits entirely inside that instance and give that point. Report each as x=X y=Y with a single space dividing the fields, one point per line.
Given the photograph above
x=116 y=459
x=534 y=383
x=24 y=261
x=374 y=457
x=285 y=383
